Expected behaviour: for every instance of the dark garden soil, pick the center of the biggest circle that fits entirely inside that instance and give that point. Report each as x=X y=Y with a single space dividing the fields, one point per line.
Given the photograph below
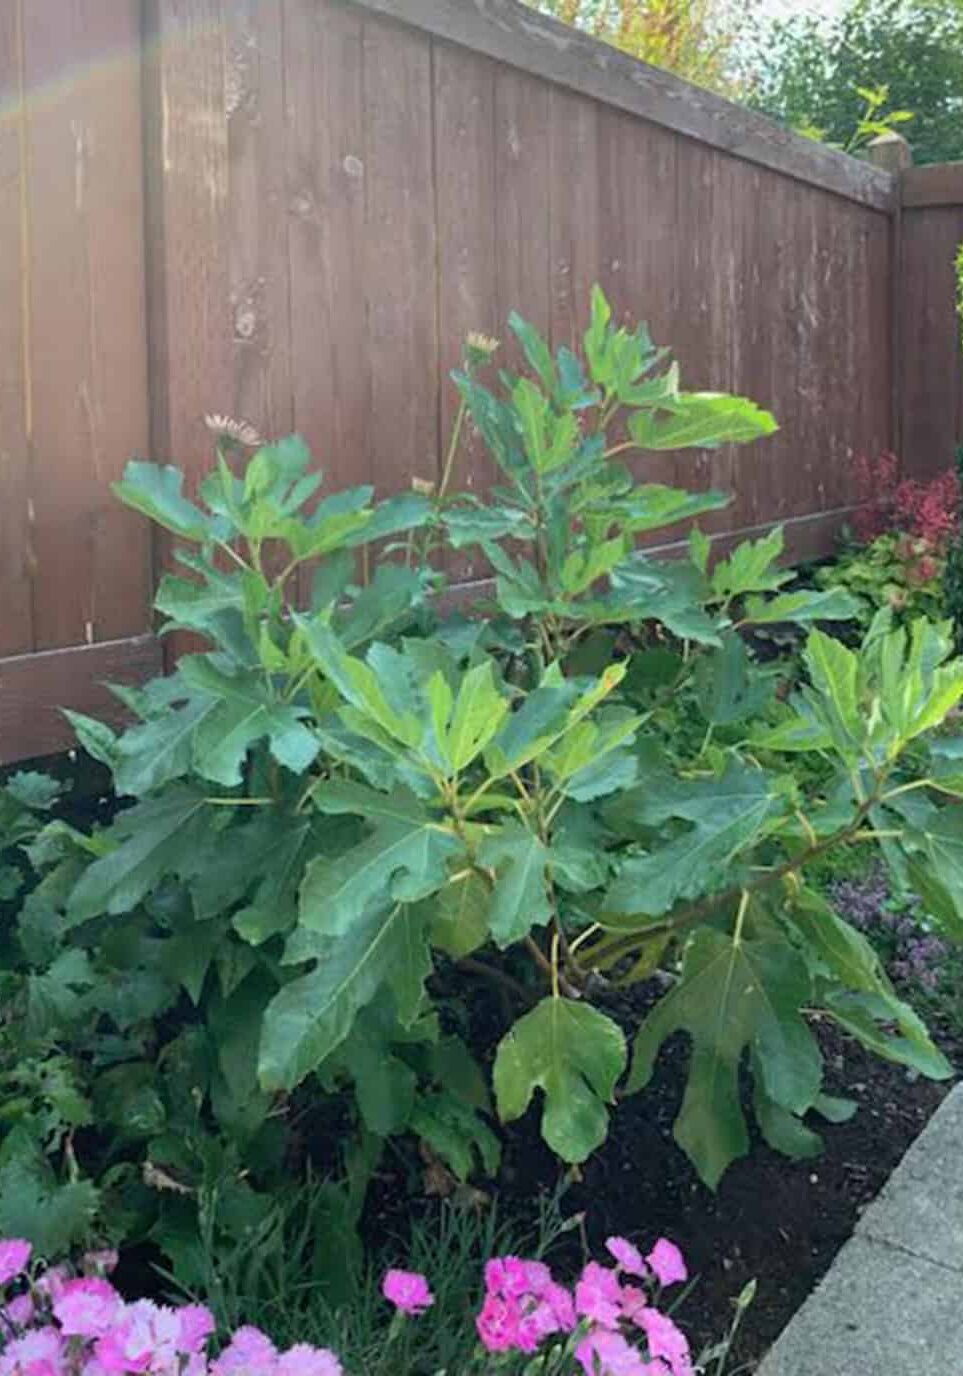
x=773 y=1219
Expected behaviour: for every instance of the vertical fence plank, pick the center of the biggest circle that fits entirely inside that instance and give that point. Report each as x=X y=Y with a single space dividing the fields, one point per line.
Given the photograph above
x=16 y=628
x=465 y=192
x=930 y=363
x=575 y=236
x=400 y=253
x=86 y=315
x=259 y=265
x=325 y=197
x=191 y=333
x=640 y=249
x=522 y=200
x=325 y=185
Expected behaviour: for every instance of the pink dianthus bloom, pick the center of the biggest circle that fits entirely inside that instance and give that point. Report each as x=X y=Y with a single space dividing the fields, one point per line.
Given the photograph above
x=665 y=1340
x=302 y=1360
x=634 y=1300
x=39 y=1353
x=598 y=1296
x=52 y=1282
x=562 y=1305
x=14 y=1255
x=86 y=1308
x=249 y=1353
x=628 y=1256
x=19 y=1311
x=497 y=1323
x=196 y=1326
x=511 y=1277
x=667 y=1262
x=144 y=1337
x=407 y=1291
x=602 y=1353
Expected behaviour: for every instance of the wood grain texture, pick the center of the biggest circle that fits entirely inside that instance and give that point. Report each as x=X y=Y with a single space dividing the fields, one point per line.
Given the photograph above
x=937 y=185
x=35 y=688
x=86 y=345
x=326 y=179
x=400 y=256
x=930 y=362
x=16 y=555
x=574 y=212
x=515 y=35
x=259 y=271
x=463 y=99
x=522 y=205
x=188 y=223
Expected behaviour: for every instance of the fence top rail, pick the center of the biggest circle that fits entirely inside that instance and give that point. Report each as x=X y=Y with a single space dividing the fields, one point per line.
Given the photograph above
x=511 y=32
x=939 y=184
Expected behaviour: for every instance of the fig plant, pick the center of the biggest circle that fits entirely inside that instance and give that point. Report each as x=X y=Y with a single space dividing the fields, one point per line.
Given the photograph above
x=349 y=793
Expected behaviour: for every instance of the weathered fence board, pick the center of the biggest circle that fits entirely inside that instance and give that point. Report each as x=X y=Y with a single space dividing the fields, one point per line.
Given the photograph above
x=930 y=366
x=16 y=620
x=74 y=566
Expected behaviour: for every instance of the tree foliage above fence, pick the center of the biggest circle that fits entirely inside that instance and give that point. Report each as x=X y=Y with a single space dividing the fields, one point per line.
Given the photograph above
x=811 y=72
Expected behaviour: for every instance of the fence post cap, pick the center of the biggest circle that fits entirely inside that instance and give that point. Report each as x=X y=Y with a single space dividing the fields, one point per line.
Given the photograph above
x=890 y=151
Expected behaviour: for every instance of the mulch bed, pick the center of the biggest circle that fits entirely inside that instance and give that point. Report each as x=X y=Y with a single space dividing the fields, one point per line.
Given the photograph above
x=773 y=1219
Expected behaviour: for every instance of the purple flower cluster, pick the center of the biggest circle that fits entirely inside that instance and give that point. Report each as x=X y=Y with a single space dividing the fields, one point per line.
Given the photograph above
x=911 y=953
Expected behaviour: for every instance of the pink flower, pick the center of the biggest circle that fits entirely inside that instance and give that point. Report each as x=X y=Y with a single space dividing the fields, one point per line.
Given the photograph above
x=196 y=1326
x=628 y=1256
x=249 y=1353
x=407 y=1291
x=665 y=1340
x=597 y=1295
x=302 y=1360
x=52 y=1282
x=562 y=1306
x=634 y=1301
x=602 y=1353
x=511 y=1277
x=35 y=1354
x=538 y=1277
x=19 y=1311
x=15 y=1253
x=86 y=1308
x=667 y=1262
x=497 y=1324
x=144 y=1337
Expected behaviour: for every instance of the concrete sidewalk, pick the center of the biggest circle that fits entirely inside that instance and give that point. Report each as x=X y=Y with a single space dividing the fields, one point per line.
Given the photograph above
x=893 y=1299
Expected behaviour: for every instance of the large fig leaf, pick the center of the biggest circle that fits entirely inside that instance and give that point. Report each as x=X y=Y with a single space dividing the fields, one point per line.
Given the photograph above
x=405 y=857
x=158 y=837
x=519 y=900
x=245 y=713
x=157 y=492
x=701 y=420
x=311 y=1016
x=728 y=814
x=732 y=996
x=575 y=1055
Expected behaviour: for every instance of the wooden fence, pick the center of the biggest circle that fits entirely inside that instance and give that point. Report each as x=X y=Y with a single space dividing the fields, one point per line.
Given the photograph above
x=930 y=376
x=293 y=210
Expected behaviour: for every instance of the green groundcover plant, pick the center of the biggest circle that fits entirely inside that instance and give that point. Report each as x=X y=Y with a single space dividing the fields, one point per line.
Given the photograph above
x=345 y=799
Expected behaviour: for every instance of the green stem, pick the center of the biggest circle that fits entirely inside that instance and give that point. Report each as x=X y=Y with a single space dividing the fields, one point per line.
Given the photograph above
x=692 y=913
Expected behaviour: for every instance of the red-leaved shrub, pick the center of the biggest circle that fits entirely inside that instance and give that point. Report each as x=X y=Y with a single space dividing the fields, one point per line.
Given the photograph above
x=926 y=511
